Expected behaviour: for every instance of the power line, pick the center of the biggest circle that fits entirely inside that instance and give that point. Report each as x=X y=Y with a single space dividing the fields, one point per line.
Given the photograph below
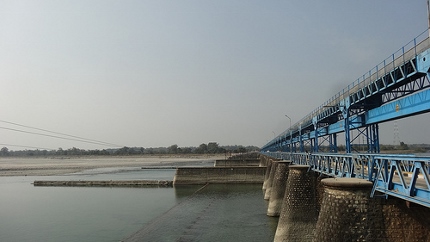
x=63 y=134
x=24 y=146
x=59 y=137
x=52 y=136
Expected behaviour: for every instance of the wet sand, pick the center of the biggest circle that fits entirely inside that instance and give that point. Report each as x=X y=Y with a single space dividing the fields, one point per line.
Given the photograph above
x=64 y=165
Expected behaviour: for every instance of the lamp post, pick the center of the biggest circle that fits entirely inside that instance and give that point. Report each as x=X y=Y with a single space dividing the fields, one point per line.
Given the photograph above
x=291 y=139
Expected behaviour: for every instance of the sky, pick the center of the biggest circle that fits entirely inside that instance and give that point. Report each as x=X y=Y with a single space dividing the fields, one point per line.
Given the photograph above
x=153 y=73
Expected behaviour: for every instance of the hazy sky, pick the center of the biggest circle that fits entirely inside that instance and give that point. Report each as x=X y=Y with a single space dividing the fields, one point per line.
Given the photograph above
x=157 y=73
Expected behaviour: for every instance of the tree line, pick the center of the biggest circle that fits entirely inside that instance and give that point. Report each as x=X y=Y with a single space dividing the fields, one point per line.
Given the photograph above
x=209 y=148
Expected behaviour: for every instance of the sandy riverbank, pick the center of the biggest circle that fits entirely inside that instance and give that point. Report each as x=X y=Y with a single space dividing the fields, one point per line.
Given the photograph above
x=64 y=165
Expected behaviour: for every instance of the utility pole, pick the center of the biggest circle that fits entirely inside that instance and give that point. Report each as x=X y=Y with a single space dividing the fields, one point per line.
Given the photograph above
x=396 y=140
x=428 y=15
x=291 y=139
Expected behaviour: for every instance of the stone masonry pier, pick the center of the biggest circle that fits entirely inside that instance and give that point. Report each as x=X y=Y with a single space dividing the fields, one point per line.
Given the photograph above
x=319 y=208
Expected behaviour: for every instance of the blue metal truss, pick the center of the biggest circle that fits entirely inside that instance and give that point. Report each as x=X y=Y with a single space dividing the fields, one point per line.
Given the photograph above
x=396 y=88
x=383 y=91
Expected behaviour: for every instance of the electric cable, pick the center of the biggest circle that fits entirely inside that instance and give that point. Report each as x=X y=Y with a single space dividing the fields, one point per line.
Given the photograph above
x=63 y=134
x=24 y=146
x=58 y=137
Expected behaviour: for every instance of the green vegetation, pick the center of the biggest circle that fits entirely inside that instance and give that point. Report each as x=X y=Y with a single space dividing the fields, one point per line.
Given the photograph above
x=210 y=148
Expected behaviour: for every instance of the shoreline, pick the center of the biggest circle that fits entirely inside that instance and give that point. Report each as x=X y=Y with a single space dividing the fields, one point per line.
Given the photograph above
x=24 y=166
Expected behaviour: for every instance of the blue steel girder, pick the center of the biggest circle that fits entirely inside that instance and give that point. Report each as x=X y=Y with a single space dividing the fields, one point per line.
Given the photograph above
x=413 y=104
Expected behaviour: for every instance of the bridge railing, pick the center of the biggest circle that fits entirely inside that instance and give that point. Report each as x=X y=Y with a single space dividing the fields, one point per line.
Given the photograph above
x=403 y=176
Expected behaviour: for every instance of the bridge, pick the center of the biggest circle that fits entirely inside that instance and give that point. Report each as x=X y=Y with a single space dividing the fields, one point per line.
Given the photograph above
x=398 y=87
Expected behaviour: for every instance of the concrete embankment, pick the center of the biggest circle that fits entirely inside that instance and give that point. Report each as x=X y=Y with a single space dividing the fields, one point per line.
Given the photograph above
x=237 y=162
x=130 y=183
x=203 y=175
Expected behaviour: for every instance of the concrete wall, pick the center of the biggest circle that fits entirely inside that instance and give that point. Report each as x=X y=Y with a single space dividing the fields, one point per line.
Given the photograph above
x=228 y=163
x=110 y=183
x=203 y=175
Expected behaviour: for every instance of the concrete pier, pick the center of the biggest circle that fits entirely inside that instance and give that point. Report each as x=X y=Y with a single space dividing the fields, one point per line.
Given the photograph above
x=348 y=213
x=267 y=173
x=264 y=160
x=278 y=188
x=298 y=216
x=269 y=182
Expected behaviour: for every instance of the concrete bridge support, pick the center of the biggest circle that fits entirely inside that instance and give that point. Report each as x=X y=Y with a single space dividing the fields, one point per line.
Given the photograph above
x=298 y=214
x=278 y=188
x=264 y=160
x=269 y=183
x=267 y=174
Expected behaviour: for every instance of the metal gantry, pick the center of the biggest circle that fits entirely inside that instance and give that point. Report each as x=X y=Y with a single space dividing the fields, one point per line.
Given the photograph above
x=396 y=88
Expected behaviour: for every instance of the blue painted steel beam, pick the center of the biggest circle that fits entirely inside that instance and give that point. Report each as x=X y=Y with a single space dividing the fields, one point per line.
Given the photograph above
x=410 y=105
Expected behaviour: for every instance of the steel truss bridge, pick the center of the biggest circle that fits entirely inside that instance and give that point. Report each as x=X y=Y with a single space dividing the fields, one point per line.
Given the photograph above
x=396 y=88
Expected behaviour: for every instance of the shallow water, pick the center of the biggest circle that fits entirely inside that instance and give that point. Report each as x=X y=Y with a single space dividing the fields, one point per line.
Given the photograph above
x=216 y=213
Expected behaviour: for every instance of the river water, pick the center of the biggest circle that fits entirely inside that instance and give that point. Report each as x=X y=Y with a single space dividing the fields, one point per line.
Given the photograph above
x=186 y=213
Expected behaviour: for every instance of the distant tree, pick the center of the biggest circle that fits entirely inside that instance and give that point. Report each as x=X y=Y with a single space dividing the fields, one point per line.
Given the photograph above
x=60 y=151
x=186 y=150
x=104 y=152
x=4 y=151
x=404 y=146
x=123 y=151
x=241 y=149
x=74 y=151
x=173 y=149
x=212 y=147
x=202 y=149
x=149 y=151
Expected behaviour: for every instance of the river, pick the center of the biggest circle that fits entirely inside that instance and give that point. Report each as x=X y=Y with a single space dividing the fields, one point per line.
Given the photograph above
x=187 y=213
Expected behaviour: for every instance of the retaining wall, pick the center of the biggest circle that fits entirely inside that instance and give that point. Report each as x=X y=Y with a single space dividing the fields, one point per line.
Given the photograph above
x=203 y=175
x=228 y=163
x=110 y=183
